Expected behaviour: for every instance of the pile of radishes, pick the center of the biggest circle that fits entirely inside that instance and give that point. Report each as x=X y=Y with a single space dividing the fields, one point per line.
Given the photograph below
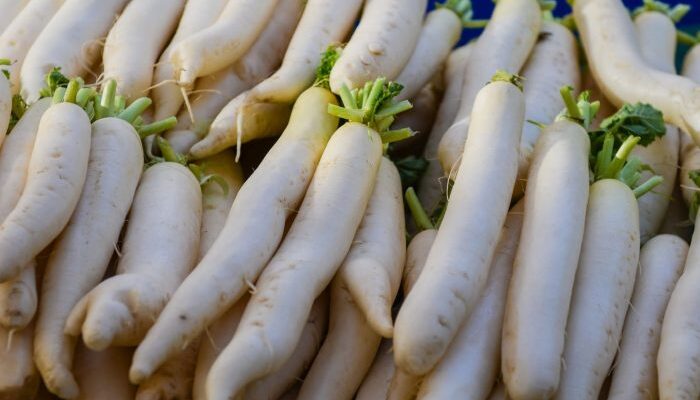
x=324 y=199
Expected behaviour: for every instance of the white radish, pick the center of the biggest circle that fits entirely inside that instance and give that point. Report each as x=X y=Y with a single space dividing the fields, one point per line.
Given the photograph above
x=69 y=41
x=381 y=45
x=222 y=43
x=371 y=272
x=471 y=365
x=458 y=264
x=323 y=23
x=81 y=254
x=253 y=230
x=221 y=87
x=378 y=378
x=656 y=35
x=121 y=309
x=18 y=377
x=20 y=35
x=274 y=317
x=557 y=190
x=432 y=184
x=440 y=32
x=103 y=374
x=690 y=152
x=135 y=42
x=660 y=265
x=18 y=299
x=5 y=106
x=166 y=94
x=505 y=44
x=604 y=283
x=55 y=177
x=608 y=36
x=347 y=353
x=10 y=10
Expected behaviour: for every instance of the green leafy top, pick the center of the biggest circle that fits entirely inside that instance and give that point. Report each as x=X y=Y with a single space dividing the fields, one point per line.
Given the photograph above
x=19 y=106
x=464 y=11
x=323 y=71
x=580 y=110
x=694 y=176
x=410 y=168
x=54 y=80
x=675 y=13
x=505 y=76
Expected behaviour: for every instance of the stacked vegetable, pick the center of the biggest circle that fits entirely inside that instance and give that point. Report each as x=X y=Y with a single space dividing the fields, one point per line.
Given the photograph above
x=319 y=209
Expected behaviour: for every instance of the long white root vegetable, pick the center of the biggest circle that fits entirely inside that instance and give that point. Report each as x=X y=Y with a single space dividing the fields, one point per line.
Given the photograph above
x=70 y=41
x=222 y=43
x=602 y=290
x=10 y=10
x=253 y=230
x=135 y=42
x=166 y=94
x=54 y=180
x=608 y=36
x=18 y=299
x=470 y=367
x=376 y=383
x=274 y=318
x=120 y=310
x=18 y=377
x=557 y=190
x=324 y=22
x=660 y=265
x=103 y=374
x=505 y=44
x=371 y=272
x=458 y=264
x=381 y=44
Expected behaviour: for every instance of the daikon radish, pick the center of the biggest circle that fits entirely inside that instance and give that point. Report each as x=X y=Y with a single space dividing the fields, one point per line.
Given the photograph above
x=103 y=374
x=18 y=377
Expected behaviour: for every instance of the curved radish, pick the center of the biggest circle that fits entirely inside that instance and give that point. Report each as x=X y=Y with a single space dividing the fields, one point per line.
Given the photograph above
x=440 y=32
x=690 y=152
x=656 y=35
x=166 y=94
x=614 y=56
x=430 y=188
x=223 y=86
x=121 y=309
x=371 y=272
x=68 y=42
x=381 y=44
x=18 y=377
x=135 y=42
x=347 y=353
x=103 y=374
x=661 y=264
x=276 y=384
x=603 y=289
x=324 y=22
x=81 y=254
x=552 y=64
x=505 y=44
x=253 y=230
x=223 y=42
x=10 y=8
x=20 y=35
x=457 y=267
x=376 y=383
x=533 y=337
x=471 y=365
x=55 y=178
x=286 y=288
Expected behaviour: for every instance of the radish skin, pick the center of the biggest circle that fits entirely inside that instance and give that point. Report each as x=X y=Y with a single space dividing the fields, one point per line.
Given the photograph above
x=223 y=86
x=253 y=230
x=135 y=42
x=461 y=255
x=381 y=45
x=552 y=64
x=18 y=299
x=378 y=378
x=120 y=310
x=371 y=272
x=614 y=55
x=273 y=320
x=21 y=34
x=68 y=42
x=223 y=42
x=504 y=45
x=10 y=10
x=690 y=153
x=5 y=106
x=166 y=94
x=82 y=253
x=533 y=336
x=661 y=264
x=441 y=31
x=432 y=184
x=471 y=365
x=347 y=353
x=602 y=290
x=18 y=377
x=55 y=177
x=324 y=22
x=103 y=374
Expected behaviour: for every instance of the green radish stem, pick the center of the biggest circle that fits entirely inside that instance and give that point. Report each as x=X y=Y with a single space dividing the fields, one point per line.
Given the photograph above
x=505 y=76
x=157 y=127
x=417 y=211
x=581 y=110
x=675 y=13
x=465 y=13
x=134 y=110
